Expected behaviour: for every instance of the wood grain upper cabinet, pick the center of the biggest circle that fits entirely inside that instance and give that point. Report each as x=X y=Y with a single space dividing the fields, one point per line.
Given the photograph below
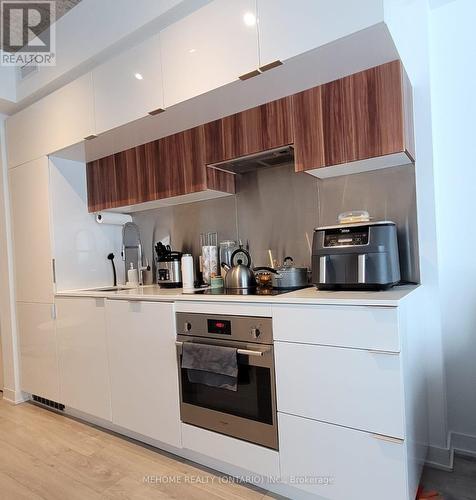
x=182 y=163
x=124 y=179
x=211 y=47
x=171 y=167
x=364 y=118
x=257 y=129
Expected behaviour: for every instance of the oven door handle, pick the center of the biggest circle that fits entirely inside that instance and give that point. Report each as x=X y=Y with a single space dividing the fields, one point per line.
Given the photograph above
x=245 y=352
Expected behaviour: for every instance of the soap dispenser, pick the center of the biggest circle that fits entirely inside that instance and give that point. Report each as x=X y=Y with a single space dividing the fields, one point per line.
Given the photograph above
x=132 y=276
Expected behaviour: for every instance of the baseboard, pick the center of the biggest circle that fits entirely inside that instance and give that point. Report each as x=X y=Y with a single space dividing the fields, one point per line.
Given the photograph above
x=463 y=444
x=15 y=397
x=440 y=458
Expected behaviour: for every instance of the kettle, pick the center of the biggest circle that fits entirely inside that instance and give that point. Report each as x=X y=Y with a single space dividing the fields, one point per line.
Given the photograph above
x=239 y=275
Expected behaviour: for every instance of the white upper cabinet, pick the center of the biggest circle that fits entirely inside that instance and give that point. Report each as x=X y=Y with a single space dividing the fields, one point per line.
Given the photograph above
x=29 y=193
x=128 y=86
x=287 y=29
x=209 y=48
x=60 y=119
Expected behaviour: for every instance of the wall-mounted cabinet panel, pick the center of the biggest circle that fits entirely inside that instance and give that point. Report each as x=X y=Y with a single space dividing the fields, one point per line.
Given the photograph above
x=102 y=184
x=360 y=122
x=60 y=119
x=182 y=163
x=252 y=131
x=209 y=48
x=128 y=86
x=30 y=204
x=359 y=118
x=126 y=178
x=287 y=29
x=154 y=174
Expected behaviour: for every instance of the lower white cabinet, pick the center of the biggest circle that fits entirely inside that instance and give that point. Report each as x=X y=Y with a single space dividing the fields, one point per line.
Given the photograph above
x=143 y=369
x=339 y=463
x=38 y=353
x=235 y=452
x=352 y=387
x=335 y=325
x=83 y=358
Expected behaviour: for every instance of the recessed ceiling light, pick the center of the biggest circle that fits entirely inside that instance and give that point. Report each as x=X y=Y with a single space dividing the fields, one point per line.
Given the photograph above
x=249 y=19
x=191 y=51
x=138 y=76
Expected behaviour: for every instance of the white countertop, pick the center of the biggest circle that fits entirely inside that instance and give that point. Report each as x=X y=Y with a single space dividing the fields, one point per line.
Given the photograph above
x=309 y=296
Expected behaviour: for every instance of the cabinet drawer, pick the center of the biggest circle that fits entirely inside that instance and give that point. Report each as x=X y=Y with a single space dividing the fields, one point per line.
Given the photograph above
x=237 y=453
x=351 y=387
x=358 y=465
x=346 y=326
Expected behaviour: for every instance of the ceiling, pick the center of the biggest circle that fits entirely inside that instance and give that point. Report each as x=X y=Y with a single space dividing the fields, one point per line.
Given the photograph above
x=61 y=7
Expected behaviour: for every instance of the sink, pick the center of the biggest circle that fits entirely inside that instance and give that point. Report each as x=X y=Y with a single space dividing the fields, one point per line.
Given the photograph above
x=112 y=289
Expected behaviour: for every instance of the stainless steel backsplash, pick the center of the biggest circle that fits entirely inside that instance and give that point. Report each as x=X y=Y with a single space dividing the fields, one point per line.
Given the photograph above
x=276 y=209
x=387 y=194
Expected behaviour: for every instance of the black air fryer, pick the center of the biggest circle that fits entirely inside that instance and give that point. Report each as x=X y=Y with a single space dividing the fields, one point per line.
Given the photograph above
x=357 y=256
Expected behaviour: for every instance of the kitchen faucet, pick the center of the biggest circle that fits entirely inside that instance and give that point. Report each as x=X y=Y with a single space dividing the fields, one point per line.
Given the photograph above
x=132 y=249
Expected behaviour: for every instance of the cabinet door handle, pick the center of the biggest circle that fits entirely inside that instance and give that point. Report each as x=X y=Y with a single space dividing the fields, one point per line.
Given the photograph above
x=156 y=111
x=362 y=259
x=388 y=353
x=322 y=269
x=245 y=352
x=382 y=437
x=249 y=75
x=271 y=65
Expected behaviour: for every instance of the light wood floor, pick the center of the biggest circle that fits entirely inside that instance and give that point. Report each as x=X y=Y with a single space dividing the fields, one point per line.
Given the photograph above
x=48 y=456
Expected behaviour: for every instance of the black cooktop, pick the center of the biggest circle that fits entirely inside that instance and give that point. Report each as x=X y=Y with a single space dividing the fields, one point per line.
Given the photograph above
x=243 y=291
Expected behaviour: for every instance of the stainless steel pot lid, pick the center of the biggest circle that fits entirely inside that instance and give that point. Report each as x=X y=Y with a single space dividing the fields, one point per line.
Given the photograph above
x=289 y=267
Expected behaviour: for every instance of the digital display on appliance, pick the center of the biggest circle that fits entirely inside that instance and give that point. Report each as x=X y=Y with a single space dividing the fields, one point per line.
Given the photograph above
x=219 y=326
x=346 y=236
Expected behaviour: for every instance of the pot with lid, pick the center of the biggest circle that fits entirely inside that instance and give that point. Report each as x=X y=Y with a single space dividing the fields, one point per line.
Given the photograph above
x=239 y=275
x=288 y=276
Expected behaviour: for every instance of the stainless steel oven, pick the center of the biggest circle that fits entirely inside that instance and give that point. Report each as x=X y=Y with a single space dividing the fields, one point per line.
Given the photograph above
x=249 y=413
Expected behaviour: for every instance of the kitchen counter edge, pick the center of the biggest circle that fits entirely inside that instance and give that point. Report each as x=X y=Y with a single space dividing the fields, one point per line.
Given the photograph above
x=308 y=296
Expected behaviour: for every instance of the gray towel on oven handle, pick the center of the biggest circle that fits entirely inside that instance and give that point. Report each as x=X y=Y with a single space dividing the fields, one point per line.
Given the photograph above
x=215 y=366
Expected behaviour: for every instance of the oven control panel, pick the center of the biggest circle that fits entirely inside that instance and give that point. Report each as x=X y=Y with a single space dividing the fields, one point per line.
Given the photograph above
x=241 y=328
x=219 y=326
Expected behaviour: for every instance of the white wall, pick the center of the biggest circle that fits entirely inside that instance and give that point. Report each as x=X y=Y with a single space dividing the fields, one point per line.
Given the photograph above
x=453 y=51
x=7 y=86
x=80 y=244
x=7 y=298
x=408 y=21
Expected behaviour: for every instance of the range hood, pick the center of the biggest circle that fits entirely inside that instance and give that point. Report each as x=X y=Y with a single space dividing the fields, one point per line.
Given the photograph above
x=265 y=159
